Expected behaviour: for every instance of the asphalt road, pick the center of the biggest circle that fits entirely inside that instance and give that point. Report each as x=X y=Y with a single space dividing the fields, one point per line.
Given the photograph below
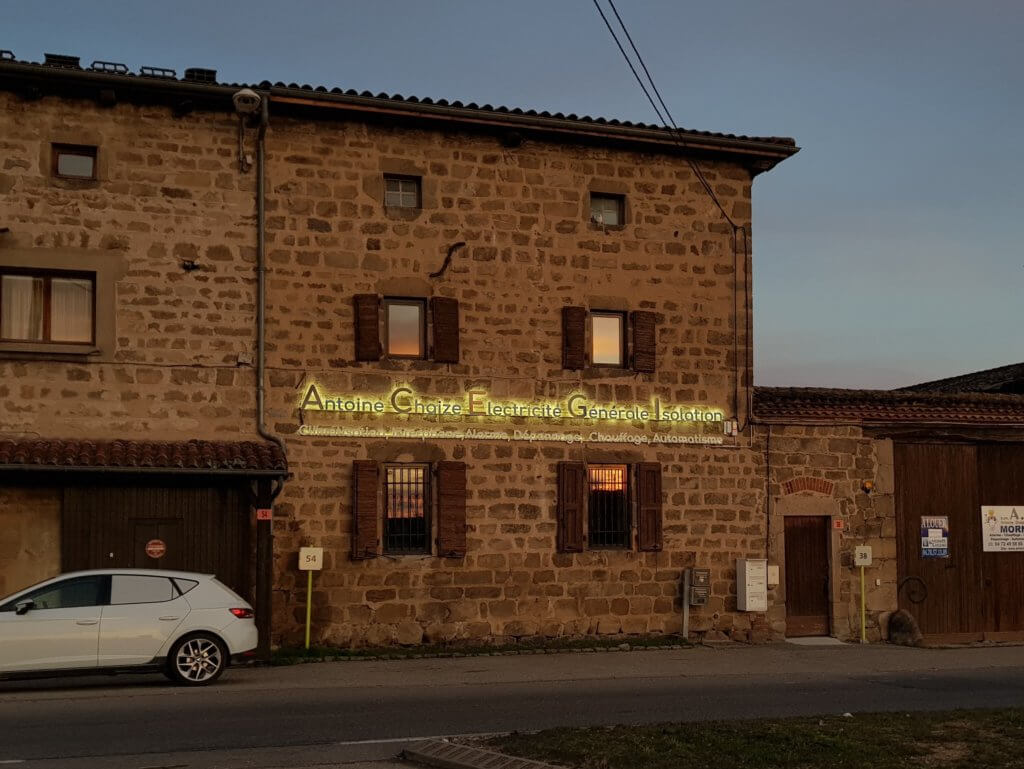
x=302 y=715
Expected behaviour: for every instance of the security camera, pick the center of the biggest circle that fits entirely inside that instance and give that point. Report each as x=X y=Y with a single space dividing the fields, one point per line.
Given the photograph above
x=247 y=101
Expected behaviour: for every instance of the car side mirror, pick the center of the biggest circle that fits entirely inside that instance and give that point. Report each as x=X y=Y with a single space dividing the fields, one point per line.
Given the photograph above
x=23 y=607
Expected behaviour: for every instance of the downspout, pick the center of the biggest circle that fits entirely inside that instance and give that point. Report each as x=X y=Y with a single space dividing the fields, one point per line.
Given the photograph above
x=261 y=274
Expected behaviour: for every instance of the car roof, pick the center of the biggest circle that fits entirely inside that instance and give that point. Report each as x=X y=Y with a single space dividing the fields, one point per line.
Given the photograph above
x=138 y=572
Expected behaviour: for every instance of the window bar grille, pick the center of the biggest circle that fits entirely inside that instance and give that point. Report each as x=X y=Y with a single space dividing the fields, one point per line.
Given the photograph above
x=406 y=513
x=608 y=508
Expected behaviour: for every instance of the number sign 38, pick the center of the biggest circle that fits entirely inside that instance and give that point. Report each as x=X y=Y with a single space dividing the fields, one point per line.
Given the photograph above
x=311 y=558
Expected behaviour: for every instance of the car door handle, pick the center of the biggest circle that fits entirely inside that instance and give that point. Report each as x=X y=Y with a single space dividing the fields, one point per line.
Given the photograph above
x=169 y=618
x=87 y=622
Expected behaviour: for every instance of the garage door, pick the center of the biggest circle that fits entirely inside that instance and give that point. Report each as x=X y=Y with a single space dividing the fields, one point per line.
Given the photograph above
x=186 y=526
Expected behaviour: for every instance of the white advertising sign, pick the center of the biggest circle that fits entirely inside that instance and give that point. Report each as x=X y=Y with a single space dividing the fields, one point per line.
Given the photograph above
x=1002 y=528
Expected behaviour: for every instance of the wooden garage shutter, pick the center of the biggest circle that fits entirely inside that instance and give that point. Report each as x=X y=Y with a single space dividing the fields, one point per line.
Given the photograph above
x=367 y=320
x=451 y=509
x=644 y=341
x=572 y=485
x=445 y=314
x=364 y=509
x=574 y=337
x=648 y=506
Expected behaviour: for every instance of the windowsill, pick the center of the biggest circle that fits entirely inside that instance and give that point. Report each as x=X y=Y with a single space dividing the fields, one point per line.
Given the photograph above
x=45 y=350
x=605 y=227
x=402 y=213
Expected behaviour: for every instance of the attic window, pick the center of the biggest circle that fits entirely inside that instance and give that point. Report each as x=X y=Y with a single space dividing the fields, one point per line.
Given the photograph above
x=74 y=161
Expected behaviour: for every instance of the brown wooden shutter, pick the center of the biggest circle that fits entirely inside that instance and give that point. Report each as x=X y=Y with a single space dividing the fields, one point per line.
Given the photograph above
x=644 y=341
x=445 y=314
x=367 y=322
x=574 y=337
x=451 y=509
x=648 y=506
x=572 y=485
x=364 y=509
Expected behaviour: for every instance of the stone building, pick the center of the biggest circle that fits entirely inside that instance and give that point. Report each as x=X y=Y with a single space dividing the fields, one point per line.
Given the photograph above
x=497 y=364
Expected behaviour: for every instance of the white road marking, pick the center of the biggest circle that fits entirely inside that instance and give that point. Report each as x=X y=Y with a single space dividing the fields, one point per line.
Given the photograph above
x=390 y=740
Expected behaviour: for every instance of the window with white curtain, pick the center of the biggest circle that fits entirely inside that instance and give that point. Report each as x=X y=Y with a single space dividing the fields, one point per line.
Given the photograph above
x=47 y=307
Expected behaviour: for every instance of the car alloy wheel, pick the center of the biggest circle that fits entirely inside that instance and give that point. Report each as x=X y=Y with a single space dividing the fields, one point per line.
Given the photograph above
x=198 y=660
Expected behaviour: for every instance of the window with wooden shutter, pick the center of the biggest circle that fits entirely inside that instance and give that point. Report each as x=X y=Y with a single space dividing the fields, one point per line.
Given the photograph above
x=648 y=506
x=445 y=315
x=572 y=484
x=367 y=322
x=574 y=337
x=644 y=341
x=451 y=509
x=364 y=509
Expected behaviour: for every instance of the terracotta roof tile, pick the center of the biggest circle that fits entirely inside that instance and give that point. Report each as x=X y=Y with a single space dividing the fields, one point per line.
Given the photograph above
x=887 y=406
x=192 y=455
x=116 y=70
x=1005 y=379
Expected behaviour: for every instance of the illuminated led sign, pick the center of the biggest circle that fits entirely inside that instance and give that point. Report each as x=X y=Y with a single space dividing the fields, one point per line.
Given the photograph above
x=477 y=403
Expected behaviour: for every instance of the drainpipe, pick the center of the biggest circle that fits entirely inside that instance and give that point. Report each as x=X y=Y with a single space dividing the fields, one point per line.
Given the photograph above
x=261 y=273
x=264 y=528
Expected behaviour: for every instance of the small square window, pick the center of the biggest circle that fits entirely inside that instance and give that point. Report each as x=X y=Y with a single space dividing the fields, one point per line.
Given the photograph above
x=405 y=329
x=74 y=161
x=406 y=508
x=607 y=210
x=608 y=518
x=401 y=192
x=47 y=307
x=608 y=338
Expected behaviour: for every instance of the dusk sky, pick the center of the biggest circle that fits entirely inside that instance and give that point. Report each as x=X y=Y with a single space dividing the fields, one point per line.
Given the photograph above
x=887 y=252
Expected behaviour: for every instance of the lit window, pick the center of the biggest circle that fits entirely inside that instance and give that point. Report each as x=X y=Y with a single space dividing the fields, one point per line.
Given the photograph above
x=406 y=520
x=607 y=209
x=608 y=506
x=47 y=307
x=401 y=192
x=607 y=338
x=74 y=161
x=405 y=328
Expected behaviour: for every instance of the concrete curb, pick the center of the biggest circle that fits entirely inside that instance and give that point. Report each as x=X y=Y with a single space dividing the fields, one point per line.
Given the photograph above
x=450 y=755
x=625 y=647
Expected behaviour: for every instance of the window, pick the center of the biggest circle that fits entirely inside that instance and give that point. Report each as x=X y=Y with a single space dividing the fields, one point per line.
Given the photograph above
x=74 y=161
x=184 y=585
x=401 y=192
x=608 y=210
x=54 y=307
x=405 y=328
x=608 y=338
x=608 y=505
x=406 y=508
x=69 y=594
x=129 y=588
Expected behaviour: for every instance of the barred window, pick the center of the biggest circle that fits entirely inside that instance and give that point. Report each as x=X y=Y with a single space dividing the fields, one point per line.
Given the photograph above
x=407 y=509
x=608 y=506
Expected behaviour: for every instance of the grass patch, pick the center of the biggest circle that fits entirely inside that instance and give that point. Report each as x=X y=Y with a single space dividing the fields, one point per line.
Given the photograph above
x=294 y=655
x=993 y=739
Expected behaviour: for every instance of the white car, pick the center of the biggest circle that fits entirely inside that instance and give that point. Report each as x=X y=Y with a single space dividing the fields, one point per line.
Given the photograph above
x=188 y=626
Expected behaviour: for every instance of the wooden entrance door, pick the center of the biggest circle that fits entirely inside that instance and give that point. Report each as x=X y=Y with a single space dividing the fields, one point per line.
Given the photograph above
x=945 y=595
x=1001 y=482
x=807 y=575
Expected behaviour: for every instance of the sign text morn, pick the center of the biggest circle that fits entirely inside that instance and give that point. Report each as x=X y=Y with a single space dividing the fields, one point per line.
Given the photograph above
x=478 y=403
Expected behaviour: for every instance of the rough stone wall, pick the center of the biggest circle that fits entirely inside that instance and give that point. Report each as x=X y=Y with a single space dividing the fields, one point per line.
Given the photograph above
x=821 y=470
x=531 y=250
x=179 y=365
x=29 y=536
x=169 y=190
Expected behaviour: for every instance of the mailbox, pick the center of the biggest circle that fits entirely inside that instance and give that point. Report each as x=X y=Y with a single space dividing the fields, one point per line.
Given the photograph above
x=700 y=587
